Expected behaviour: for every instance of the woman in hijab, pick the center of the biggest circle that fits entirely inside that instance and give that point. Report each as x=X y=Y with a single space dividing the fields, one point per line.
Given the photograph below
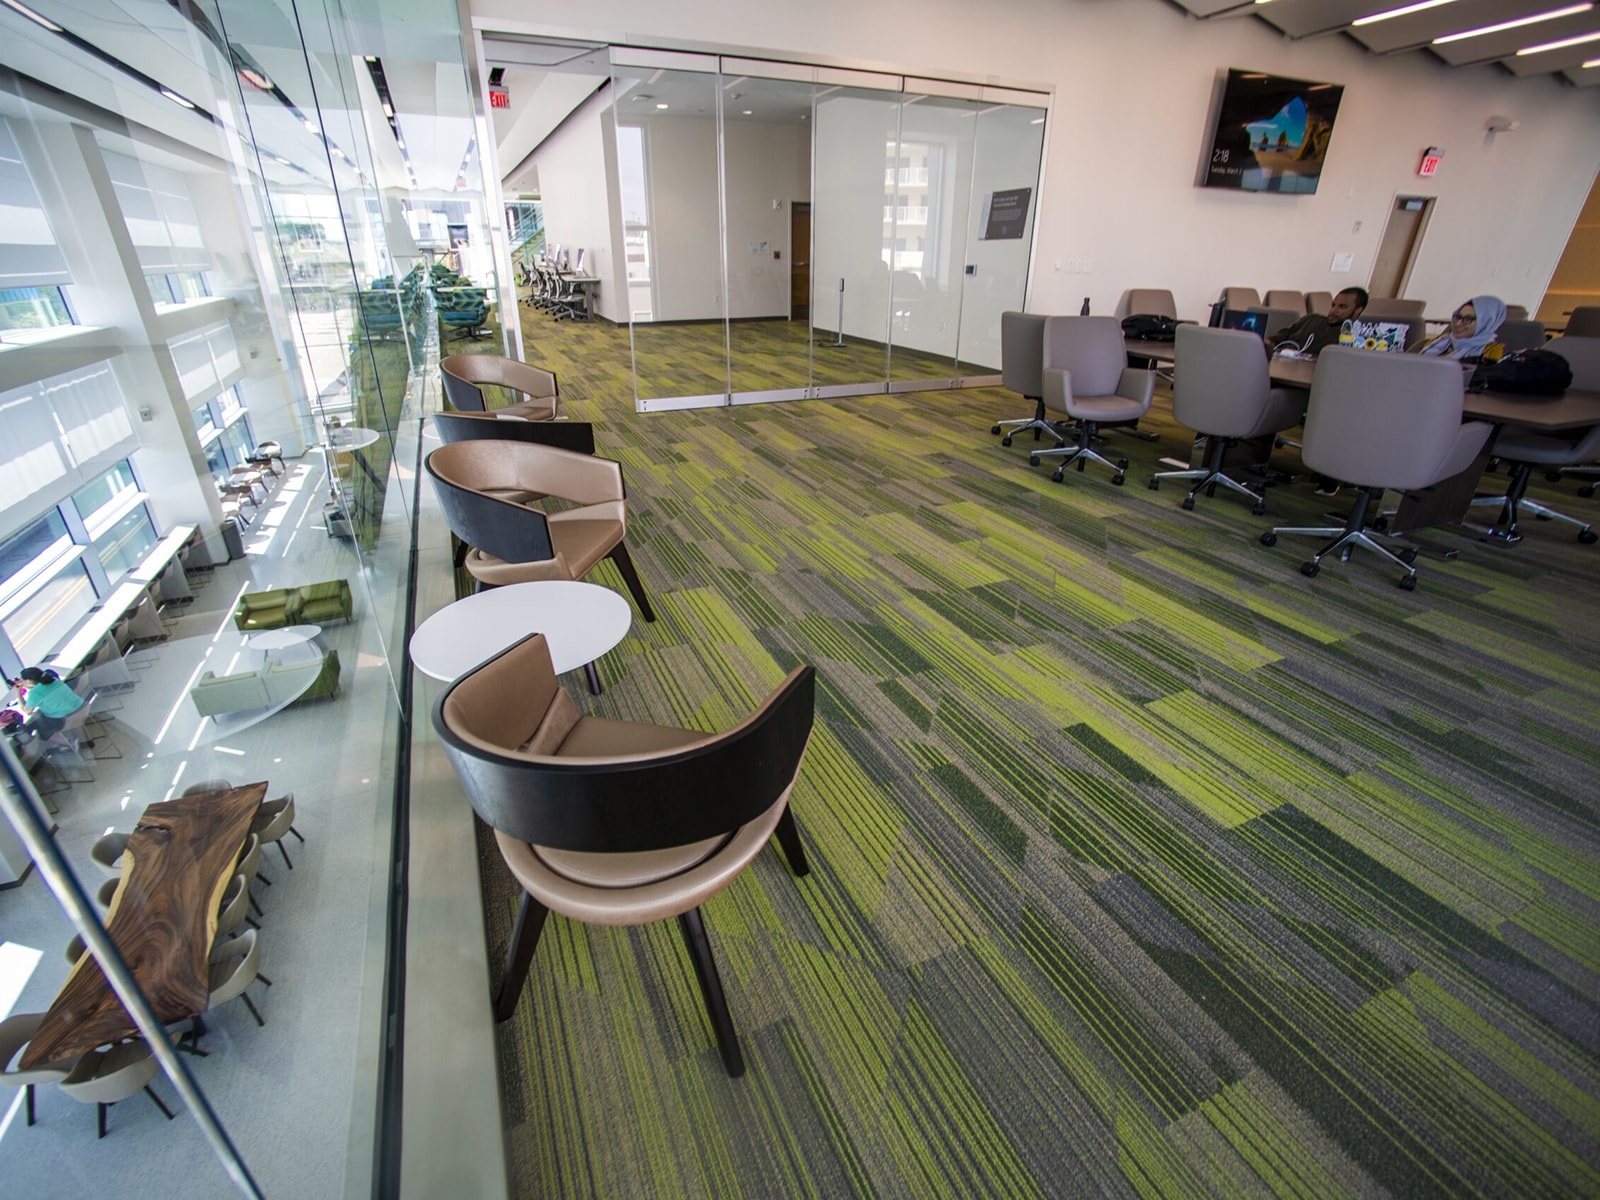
x=1472 y=327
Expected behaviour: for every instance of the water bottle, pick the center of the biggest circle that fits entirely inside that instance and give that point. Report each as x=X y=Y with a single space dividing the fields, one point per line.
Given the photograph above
x=1084 y=311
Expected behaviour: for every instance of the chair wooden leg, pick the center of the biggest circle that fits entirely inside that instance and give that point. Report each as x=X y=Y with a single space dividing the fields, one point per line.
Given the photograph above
x=789 y=838
x=519 y=955
x=705 y=969
x=165 y=1111
x=619 y=555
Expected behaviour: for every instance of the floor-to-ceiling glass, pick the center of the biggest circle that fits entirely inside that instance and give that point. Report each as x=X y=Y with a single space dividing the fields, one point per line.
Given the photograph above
x=669 y=170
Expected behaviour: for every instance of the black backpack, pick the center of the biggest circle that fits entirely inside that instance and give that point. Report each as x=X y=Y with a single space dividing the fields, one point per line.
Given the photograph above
x=1525 y=373
x=1146 y=327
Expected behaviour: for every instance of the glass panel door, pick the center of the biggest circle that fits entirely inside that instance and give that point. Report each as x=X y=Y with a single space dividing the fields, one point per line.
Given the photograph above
x=669 y=184
x=1005 y=190
x=766 y=131
x=931 y=197
x=856 y=134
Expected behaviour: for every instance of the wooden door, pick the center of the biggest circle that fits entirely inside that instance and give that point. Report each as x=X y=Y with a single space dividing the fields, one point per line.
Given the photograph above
x=1402 y=238
x=799 y=260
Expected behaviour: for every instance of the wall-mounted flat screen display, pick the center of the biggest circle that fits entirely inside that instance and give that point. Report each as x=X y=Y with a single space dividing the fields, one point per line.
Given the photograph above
x=1271 y=133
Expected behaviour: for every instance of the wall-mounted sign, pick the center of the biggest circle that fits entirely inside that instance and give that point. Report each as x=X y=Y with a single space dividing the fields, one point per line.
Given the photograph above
x=1005 y=215
x=499 y=98
x=1430 y=160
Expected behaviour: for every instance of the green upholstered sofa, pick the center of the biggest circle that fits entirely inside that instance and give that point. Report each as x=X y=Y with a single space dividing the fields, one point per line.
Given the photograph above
x=310 y=603
x=275 y=683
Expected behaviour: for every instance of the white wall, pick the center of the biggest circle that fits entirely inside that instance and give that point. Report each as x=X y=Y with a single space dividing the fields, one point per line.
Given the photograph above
x=574 y=182
x=685 y=252
x=765 y=162
x=1133 y=85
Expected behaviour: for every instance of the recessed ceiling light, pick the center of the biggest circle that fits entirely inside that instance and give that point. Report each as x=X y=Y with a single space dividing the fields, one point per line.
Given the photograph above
x=370 y=57
x=661 y=104
x=283 y=160
x=746 y=111
x=387 y=110
x=1570 y=10
x=1037 y=121
x=1561 y=45
x=1400 y=12
x=33 y=16
x=175 y=98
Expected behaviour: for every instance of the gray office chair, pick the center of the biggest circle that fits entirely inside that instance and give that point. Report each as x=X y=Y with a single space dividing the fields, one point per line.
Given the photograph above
x=1516 y=312
x=1382 y=421
x=1524 y=450
x=1220 y=388
x=1294 y=301
x=1318 y=302
x=1086 y=378
x=1240 y=299
x=1278 y=319
x=1584 y=321
x=1521 y=335
x=1154 y=302
x=1021 y=370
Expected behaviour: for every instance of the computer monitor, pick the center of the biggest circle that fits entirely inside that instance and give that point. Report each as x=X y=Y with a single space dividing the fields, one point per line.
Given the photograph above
x=1255 y=322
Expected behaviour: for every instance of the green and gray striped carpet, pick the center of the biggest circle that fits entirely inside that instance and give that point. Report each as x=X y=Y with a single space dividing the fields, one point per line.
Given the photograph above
x=1142 y=865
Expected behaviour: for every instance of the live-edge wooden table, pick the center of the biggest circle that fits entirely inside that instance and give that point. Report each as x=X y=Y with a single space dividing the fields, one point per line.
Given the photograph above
x=178 y=862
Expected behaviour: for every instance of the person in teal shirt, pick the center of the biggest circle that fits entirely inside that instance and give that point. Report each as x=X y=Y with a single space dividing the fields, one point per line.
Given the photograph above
x=50 y=701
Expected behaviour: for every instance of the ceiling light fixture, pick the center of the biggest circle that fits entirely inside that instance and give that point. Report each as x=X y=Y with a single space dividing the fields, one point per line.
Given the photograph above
x=33 y=16
x=1561 y=45
x=1593 y=62
x=1374 y=18
x=387 y=110
x=747 y=111
x=176 y=99
x=661 y=104
x=1570 y=10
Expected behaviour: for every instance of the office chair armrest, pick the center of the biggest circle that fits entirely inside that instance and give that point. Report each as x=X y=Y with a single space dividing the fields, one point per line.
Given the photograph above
x=1137 y=383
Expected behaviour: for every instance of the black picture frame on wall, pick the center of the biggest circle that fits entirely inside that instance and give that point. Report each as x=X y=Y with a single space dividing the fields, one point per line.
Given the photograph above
x=1270 y=133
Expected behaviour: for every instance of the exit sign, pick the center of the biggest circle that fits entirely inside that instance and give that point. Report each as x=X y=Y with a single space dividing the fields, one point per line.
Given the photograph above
x=499 y=99
x=1430 y=161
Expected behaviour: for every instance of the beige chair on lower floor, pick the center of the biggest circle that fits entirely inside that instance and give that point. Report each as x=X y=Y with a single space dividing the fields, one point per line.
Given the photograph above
x=1584 y=321
x=107 y=852
x=1153 y=302
x=616 y=823
x=1318 y=302
x=466 y=375
x=233 y=910
x=1087 y=379
x=201 y=786
x=1520 y=334
x=103 y=1077
x=274 y=820
x=1381 y=421
x=1240 y=299
x=1220 y=388
x=15 y=1033
x=1286 y=298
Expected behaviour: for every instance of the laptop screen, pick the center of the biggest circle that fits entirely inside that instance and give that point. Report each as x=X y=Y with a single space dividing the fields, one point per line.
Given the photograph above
x=1255 y=322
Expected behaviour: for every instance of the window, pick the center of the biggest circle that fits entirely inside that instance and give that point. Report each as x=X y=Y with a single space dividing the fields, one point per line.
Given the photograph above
x=105 y=492
x=122 y=546
x=36 y=625
x=24 y=555
x=33 y=308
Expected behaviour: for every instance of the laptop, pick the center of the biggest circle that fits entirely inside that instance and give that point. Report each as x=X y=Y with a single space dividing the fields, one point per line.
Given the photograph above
x=1255 y=322
x=1388 y=336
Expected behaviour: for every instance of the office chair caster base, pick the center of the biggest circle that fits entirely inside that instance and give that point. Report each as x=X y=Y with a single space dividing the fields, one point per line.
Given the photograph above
x=1586 y=491
x=1059 y=474
x=1005 y=441
x=1269 y=538
x=1260 y=510
x=1408 y=582
x=1587 y=536
x=1408 y=555
x=1155 y=483
x=1118 y=479
x=1380 y=523
x=1310 y=568
x=1188 y=503
x=996 y=429
x=1033 y=460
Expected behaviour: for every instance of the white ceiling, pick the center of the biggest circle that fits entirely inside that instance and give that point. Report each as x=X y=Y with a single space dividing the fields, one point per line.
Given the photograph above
x=1416 y=31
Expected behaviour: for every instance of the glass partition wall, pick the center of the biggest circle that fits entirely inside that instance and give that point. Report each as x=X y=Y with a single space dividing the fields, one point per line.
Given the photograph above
x=794 y=231
x=264 y=222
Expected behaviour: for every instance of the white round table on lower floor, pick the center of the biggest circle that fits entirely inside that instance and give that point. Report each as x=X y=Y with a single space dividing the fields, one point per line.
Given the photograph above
x=580 y=621
x=282 y=639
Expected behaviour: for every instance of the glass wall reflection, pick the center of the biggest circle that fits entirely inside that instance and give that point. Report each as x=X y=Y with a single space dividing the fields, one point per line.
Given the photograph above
x=239 y=237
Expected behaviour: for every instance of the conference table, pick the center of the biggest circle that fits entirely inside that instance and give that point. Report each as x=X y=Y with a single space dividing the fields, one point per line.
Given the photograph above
x=179 y=860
